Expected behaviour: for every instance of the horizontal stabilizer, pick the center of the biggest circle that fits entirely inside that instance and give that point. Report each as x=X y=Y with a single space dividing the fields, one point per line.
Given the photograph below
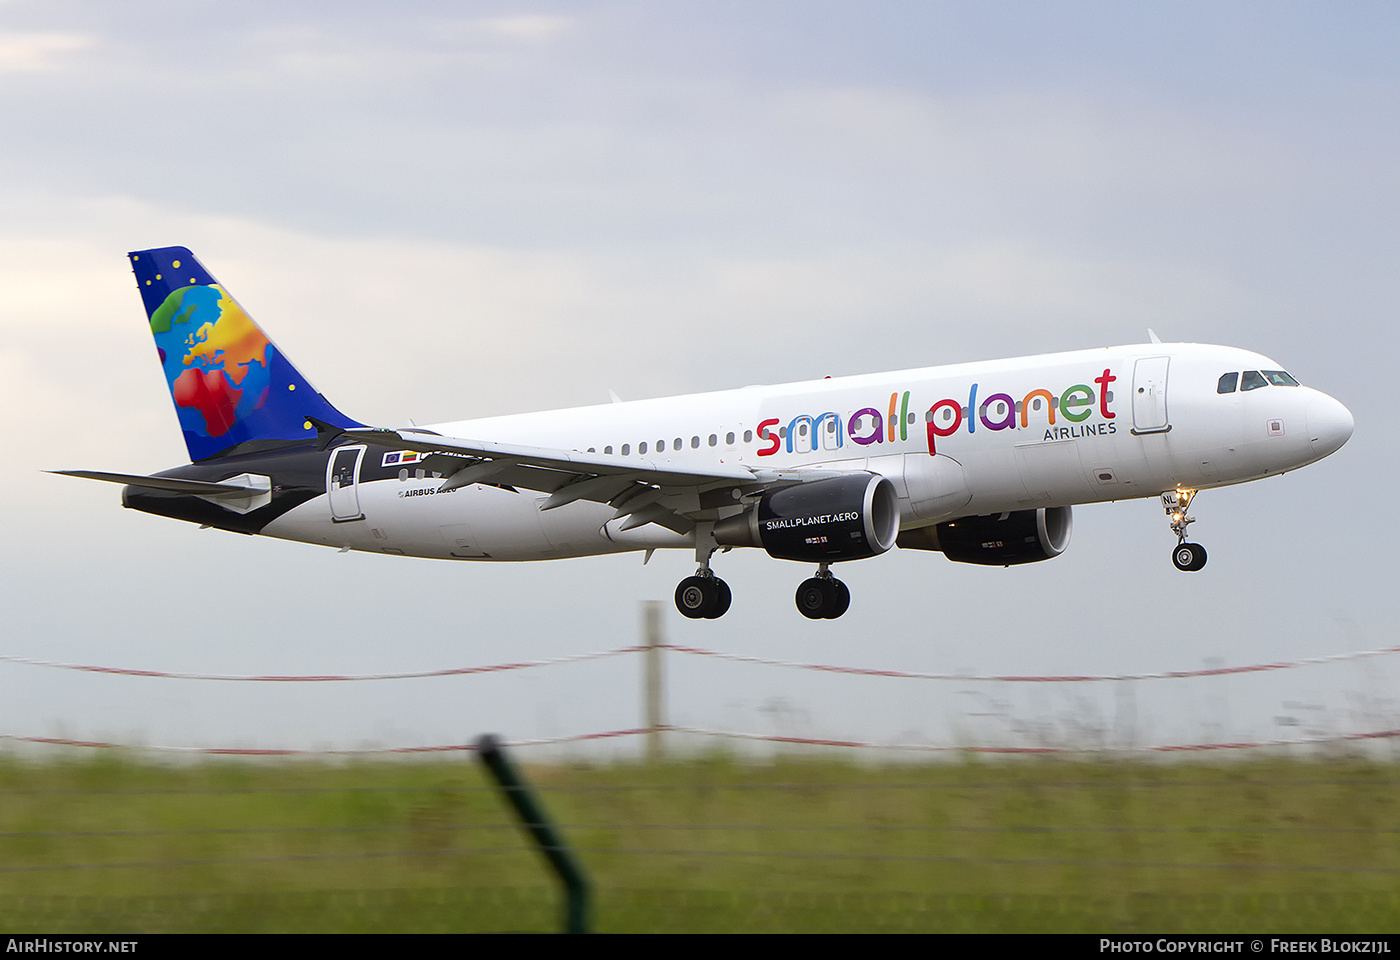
x=198 y=487
x=241 y=494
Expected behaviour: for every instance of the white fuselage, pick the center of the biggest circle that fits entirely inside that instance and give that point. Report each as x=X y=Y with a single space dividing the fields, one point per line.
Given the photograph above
x=967 y=439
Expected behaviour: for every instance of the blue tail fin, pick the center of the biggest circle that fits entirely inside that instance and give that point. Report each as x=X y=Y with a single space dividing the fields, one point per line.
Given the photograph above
x=230 y=383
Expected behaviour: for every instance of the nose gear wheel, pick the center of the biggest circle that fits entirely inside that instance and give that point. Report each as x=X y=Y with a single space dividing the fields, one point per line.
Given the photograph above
x=1189 y=556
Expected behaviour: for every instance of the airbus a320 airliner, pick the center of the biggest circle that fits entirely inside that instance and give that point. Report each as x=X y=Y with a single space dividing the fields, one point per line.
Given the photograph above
x=979 y=461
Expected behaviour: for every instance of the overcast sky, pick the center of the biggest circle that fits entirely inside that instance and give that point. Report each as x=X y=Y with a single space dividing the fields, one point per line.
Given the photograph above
x=446 y=210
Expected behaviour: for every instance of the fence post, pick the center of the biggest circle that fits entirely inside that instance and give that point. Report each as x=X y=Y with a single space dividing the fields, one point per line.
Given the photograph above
x=542 y=831
x=653 y=683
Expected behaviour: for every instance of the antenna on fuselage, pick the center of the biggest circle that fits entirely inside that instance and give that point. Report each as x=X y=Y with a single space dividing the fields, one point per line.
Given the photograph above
x=1153 y=336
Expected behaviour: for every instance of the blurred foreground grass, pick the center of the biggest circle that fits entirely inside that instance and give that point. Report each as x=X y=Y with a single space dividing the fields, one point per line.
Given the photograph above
x=117 y=843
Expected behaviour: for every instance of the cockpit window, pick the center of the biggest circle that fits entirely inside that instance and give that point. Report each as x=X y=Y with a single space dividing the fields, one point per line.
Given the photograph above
x=1253 y=380
x=1228 y=382
x=1279 y=379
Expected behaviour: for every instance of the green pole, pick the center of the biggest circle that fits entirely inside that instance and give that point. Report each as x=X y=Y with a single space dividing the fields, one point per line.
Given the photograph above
x=542 y=831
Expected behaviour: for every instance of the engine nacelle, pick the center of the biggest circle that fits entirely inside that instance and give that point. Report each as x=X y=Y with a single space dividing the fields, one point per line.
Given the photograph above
x=820 y=521
x=1001 y=539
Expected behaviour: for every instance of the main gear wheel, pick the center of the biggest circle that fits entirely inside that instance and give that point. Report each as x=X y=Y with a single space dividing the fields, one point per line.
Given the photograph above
x=703 y=598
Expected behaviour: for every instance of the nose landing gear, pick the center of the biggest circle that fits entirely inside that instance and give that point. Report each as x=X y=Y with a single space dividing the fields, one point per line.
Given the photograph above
x=823 y=597
x=1187 y=557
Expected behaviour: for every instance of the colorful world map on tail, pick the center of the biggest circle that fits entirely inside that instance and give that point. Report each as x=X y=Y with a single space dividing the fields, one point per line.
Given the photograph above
x=215 y=358
x=229 y=383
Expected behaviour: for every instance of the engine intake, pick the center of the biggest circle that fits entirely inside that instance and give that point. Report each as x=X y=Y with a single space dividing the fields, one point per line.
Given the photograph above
x=820 y=521
x=1001 y=539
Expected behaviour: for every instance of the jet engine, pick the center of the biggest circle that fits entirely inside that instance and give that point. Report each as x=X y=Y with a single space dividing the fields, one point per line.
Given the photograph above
x=820 y=521
x=1001 y=539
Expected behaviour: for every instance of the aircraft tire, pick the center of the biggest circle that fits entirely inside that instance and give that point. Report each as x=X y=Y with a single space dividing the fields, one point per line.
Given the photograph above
x=1189 y=557
x=843 y=599
x=723 y=598
x=816 y=598
x=697 y=597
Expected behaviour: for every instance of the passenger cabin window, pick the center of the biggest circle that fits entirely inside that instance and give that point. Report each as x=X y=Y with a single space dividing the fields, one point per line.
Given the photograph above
x=1253 y=380
x=1228 y=383
x=642 y=447
x=748 y=436
x=1279 y=379
x=626 y=449
x=694 y=443
x=713 y=439
x=608 y=449
x=729 y=439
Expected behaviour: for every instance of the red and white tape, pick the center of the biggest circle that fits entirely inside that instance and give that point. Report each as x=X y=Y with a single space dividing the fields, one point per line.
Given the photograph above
x=716 y=654
x=718 y=734
x=1012 y=678
x=322 y=678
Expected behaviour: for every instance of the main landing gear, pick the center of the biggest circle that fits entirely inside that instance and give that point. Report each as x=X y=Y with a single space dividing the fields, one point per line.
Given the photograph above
x=707 y=597
x=823 y=597
x=1186 y=556
x=703 y=596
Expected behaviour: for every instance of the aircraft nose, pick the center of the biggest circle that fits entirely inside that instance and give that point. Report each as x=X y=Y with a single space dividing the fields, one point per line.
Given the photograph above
x=1329 y=424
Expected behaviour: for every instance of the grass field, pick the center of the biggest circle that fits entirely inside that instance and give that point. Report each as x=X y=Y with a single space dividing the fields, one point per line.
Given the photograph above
x=115 y=843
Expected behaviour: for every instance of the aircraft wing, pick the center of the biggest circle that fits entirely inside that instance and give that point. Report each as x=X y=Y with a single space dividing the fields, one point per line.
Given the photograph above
x=565 y=462
x=645 y=491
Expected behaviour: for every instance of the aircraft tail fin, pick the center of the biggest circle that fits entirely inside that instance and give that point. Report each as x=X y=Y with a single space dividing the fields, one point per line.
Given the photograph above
x=232 y=388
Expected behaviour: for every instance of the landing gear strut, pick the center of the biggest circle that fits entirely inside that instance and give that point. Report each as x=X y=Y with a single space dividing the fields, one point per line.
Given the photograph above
x=1186 y=556
x=823 y=597
x=703 y=596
